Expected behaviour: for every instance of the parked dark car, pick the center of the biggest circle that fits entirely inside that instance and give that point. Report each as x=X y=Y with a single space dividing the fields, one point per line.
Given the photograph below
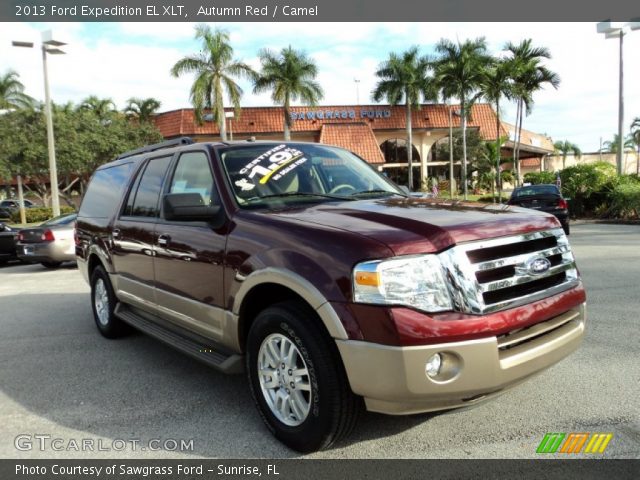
x=50 y=244
x=326 y=283
x=15 y=204
x=8 y=237
x=7 y=207
x=545 y=198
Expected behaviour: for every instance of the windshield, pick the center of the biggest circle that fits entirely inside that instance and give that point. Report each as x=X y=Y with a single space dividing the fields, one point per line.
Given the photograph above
x=268 y=175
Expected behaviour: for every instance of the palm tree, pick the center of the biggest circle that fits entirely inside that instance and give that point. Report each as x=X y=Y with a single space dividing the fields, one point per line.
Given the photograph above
x=565 y=148
x=406 y=78
x=629 y=144
x=635 y=134
x=612 y=145
x=103 y=108
x=142 y=108
x=215 y=70
x=497 y=84
x=290 y=75
x=459 y=73
x=12 y=94
x=529 y=76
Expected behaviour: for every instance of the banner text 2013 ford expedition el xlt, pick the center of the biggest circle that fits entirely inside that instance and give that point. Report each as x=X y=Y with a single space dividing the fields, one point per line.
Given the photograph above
x=301 y=265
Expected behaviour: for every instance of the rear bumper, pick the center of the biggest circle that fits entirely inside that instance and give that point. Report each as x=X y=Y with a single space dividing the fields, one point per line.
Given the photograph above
x=44 y=252
x=392 y=379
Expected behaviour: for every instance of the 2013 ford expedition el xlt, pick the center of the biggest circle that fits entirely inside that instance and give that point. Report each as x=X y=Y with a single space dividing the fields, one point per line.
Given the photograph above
x=329 y=286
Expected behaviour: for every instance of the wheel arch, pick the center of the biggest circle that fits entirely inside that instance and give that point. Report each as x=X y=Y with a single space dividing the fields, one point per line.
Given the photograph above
x=269 y=286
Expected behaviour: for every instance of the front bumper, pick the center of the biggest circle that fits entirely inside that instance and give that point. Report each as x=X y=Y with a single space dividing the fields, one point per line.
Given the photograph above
x=392 y=379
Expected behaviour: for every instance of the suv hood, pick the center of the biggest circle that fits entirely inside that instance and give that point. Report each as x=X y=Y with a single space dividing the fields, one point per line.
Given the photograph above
x=413 y=225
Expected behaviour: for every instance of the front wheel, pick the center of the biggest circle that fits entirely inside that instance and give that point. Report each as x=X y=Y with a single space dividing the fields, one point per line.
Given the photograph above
x=297 y=380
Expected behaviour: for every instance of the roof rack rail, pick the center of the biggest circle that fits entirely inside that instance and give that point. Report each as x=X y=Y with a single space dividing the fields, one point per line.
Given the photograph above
x=157 y=146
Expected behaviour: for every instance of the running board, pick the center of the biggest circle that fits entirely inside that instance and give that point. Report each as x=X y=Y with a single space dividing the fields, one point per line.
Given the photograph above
x=227 y=363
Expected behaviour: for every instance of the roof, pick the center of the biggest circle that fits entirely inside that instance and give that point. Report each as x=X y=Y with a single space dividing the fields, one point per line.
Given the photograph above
x=356 y=137
x=530 y=141
x=530 y=162
x=269 y=120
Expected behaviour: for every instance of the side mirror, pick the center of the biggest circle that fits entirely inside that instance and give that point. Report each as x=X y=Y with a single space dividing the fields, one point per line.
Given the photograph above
x=191 y=207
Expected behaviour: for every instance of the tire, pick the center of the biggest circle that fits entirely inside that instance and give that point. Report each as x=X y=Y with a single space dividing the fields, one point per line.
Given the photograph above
x=565 y=227
x=103 y=303
x=51 y=265
x=324 y=413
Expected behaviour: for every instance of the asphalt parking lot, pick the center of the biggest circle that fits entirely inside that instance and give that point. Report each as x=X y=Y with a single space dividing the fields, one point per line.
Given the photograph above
x=59 y=377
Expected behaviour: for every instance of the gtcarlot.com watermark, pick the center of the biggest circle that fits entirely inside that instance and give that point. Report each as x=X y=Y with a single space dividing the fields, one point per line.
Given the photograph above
x=28 y=442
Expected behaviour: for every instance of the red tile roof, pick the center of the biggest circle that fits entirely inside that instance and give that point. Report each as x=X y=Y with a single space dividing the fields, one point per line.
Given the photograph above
x=269 y=120
x=356 y=137
x=530 y=162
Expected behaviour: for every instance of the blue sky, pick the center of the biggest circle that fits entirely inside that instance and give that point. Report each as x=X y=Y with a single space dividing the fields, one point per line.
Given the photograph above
x=121 y=60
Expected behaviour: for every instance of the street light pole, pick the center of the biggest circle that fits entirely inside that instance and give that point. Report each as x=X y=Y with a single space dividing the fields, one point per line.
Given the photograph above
x=620 y=109
x=619 y=30
x=49 y=46
x=357 y=82
x=53 y=171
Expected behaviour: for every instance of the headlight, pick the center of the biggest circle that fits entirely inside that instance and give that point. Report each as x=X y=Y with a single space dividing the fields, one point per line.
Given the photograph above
x=414 y=281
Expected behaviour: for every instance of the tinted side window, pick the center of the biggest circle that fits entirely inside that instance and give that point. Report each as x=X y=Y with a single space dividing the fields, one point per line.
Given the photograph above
x=104 y=191
x=143 y=202
x=193 y=175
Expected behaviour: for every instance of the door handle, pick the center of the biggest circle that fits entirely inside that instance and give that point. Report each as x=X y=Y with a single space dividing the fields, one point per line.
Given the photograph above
x=115 y=233
x=163 y=240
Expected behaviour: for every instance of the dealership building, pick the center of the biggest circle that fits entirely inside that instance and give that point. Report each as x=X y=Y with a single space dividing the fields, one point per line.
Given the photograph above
x=376 y=133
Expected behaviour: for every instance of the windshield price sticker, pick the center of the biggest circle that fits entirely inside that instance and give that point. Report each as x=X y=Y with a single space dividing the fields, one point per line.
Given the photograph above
x=273 y=164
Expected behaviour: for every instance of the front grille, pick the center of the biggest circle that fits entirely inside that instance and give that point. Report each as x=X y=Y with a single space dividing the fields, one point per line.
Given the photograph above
x=505 y=272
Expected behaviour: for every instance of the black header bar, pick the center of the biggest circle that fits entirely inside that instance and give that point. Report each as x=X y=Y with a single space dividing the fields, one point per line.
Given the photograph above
x=316 y=10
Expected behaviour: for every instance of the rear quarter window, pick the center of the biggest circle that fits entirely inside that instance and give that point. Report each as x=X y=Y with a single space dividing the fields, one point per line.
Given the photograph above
x=537 y=190
x=105 y=191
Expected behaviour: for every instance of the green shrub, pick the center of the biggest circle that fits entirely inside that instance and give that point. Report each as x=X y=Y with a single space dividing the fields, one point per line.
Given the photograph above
x=39 y=214
x=624 y=201
x=585 y=186
x=539 y=178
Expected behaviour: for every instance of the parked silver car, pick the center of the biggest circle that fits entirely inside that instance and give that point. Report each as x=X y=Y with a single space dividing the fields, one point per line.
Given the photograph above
x=50 y=244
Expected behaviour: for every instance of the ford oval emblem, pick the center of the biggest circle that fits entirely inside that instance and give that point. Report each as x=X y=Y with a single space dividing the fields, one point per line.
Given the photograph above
x=538 y=265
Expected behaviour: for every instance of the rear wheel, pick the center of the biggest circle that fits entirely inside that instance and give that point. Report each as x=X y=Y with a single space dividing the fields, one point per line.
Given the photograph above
x=103 y=303
x=565 y=227
x=51 y=264
x=297 y=380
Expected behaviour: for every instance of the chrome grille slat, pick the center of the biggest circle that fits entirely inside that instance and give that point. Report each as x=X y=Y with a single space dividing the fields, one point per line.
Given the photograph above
x=497 y=242
x=480 y=281
x=510 y=282
x=508 y=261
x=523 y=300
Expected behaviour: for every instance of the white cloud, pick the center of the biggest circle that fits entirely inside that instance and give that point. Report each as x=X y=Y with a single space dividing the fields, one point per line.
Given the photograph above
x=133 y=59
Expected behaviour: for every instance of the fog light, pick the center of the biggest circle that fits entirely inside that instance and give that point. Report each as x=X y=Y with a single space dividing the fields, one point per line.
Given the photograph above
x=433 y=365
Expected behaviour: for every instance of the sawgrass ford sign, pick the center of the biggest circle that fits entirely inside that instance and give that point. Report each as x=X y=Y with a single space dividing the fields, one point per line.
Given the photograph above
x=330 y=114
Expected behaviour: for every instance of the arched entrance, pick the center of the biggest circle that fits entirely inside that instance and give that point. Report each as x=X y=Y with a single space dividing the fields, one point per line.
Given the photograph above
x=396 y=157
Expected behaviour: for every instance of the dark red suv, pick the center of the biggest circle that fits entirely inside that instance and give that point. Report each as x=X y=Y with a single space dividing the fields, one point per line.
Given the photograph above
x=301 y=265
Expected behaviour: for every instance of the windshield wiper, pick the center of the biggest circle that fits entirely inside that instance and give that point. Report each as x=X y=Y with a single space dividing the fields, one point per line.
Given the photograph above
x=373 y=192
x=301 y=194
